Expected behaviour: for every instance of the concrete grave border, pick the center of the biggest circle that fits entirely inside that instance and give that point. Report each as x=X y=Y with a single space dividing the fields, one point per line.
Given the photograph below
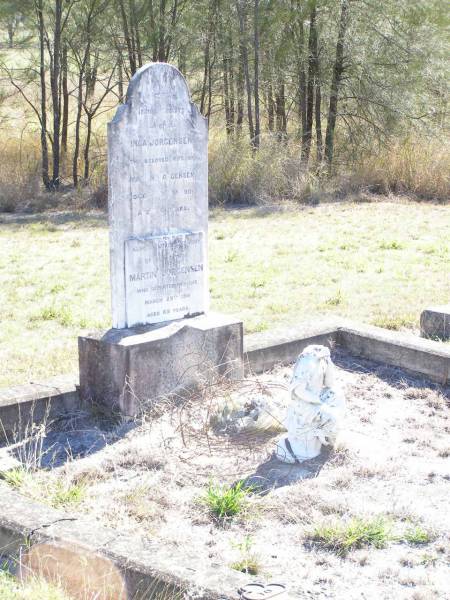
x=426 y=358
x=24 y=522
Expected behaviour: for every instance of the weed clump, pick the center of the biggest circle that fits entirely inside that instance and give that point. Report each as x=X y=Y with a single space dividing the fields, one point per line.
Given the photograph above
x=357 y=533
x=248 y=561
x=416 y=535
x=226 y=502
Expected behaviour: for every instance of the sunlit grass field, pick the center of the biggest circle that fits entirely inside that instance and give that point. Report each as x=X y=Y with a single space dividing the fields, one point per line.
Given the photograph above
x=379 y=263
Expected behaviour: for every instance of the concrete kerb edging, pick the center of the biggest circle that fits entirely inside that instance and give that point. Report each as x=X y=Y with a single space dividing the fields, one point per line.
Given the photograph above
x=44 y=401
x=25 y=524
x=426 y=358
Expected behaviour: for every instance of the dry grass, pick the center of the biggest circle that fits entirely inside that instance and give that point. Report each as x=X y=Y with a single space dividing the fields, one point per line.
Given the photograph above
x=379 y=262
x=34 y=589
x=414 y=166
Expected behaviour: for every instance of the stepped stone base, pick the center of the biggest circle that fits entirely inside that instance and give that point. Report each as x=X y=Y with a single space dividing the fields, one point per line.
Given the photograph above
x=129 y=369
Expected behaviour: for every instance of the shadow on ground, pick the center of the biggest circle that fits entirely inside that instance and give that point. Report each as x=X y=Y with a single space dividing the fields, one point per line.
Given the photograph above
x=275 y=474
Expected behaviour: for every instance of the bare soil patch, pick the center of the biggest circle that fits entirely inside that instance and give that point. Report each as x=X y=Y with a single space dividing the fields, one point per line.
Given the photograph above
x=390 y=468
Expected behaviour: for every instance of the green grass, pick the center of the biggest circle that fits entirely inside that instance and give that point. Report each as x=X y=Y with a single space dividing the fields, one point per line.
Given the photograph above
x=14 y=477
x=66 y=495
x=226 y=502
x=379 y=263
x=341 y=537
x=57 y=493
x=416 y=535
x=248 y=562
x=34 y=589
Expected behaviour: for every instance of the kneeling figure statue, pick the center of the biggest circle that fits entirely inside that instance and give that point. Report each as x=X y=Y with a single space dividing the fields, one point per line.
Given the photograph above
x=316 y=410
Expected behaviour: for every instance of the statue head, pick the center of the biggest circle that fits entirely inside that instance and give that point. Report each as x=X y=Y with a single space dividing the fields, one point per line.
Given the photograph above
x=313 y=369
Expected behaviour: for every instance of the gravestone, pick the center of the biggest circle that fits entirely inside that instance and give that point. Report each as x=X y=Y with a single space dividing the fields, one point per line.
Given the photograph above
x=158 y=201
x=435 y=322
x=163 y=341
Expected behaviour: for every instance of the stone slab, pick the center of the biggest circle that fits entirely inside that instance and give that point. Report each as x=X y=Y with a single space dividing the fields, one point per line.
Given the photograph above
x=266 y=349
x=426 y=358
x=157 y=177
x=35 y=402
x=127 y=369
x=435 y=322
x=165 y=277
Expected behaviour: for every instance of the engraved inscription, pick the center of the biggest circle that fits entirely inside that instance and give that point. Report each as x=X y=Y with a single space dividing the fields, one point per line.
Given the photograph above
x=173 y=272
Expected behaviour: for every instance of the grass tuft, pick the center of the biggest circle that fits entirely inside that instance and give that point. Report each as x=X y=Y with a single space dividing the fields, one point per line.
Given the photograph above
x=342 y=537
x=226 y=502
x=67 y=494
x=395 y=322
x=417 y=535
x=248 y=562
x=14 y=477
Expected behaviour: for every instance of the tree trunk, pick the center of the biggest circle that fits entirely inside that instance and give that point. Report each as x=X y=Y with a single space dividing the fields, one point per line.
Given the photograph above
x=244 y=59
x=319 y=140
x=120 y=77
x=65 y=97
x=302 y=86
x=338 y=70
x=11 y=31
x=240 y=98
x=270 y=107
x=312 y=42
x=126 y=34
x=280 y=106
x=162 y=31
x=226 y=97
x=205 y=74
x=76 y=150
x=230 y=64
x=87 y=146
x=256 y=71
x=135 y=32
x=44 y=145
x=56 y=101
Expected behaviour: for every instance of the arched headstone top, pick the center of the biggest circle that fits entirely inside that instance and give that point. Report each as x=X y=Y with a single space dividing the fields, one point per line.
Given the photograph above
x=159 y=86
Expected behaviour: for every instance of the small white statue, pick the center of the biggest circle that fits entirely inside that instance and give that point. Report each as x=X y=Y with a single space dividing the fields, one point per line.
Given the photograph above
x=316 y=410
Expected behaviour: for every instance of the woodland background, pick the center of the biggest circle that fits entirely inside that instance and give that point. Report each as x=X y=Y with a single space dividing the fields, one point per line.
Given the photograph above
x=306 y=99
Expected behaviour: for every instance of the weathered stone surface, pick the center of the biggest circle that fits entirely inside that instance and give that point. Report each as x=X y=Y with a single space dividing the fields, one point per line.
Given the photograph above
x=22 y=405
x=158 y=186
x=165 y=277
x=435 y=322
x=422 y=357
x=129 y=368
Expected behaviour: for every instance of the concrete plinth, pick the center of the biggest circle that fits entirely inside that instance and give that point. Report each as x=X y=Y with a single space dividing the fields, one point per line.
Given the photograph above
x=127 y=369
x=435 y=322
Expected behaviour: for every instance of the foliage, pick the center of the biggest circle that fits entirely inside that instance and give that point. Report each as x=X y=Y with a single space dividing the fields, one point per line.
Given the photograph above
x=63 y=494
x=33 y=589
x=287 y=83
